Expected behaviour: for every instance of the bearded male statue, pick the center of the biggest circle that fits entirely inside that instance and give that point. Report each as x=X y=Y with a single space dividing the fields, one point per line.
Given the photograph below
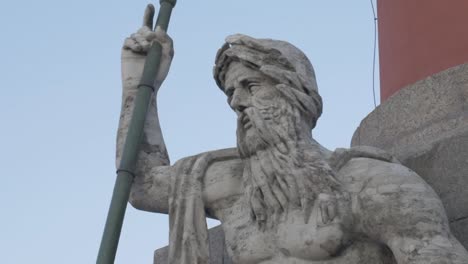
x=280 y=196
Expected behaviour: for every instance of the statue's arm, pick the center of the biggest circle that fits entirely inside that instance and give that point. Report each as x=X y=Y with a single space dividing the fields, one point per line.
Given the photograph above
x=396 y=207
x=421 y=232
x=152 y=168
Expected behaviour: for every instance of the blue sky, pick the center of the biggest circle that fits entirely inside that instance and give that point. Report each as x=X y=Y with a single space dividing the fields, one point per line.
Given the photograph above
x=60 y=74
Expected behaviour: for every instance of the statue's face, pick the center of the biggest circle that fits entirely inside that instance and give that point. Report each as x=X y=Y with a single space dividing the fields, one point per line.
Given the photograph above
x=256 y=101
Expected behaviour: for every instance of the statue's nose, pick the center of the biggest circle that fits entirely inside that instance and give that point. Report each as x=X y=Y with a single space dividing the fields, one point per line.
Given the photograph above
x=240 y=99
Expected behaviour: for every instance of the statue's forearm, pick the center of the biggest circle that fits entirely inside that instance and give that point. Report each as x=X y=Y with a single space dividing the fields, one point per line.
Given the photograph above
x=150 y=187
x=152 y=151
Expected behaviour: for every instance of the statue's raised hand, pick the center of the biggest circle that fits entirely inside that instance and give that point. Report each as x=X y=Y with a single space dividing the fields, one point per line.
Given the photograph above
x=136 y=47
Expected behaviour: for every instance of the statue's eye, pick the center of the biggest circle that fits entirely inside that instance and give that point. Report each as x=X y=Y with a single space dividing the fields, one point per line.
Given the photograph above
x=253 y=87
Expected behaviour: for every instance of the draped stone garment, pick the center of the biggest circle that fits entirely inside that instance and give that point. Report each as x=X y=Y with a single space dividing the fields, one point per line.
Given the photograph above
x=188 y=236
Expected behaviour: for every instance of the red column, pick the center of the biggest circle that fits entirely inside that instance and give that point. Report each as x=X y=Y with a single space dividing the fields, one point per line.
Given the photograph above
x=418 y=38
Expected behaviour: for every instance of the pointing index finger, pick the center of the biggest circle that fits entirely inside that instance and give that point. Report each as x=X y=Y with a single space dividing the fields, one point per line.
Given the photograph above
x=148 y=17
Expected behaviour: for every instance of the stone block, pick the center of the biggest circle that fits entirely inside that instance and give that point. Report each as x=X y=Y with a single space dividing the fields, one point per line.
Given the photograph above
x=419 y=114
x=216 y=237
x=460 y=230
x=218 y=253
x=161 y=255
x=445 y=168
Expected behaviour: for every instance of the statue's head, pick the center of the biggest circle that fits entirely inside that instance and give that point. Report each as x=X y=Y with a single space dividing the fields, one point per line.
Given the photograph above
x=271 y=86
x=268 y=83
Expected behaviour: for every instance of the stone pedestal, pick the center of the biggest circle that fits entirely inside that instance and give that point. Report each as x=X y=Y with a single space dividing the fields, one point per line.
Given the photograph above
x=425 y=125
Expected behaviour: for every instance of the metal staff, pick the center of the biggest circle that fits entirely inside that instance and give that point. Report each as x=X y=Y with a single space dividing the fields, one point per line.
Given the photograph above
x=125 y=173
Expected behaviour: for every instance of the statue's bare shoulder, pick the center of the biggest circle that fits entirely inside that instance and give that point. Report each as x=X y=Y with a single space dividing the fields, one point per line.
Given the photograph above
x=382 y=181
x=222 y=179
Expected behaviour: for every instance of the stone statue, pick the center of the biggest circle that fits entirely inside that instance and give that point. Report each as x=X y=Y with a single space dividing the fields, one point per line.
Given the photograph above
x=281 y=197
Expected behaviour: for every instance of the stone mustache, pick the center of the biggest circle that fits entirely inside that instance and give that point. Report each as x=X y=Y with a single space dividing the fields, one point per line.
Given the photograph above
x=281 y=197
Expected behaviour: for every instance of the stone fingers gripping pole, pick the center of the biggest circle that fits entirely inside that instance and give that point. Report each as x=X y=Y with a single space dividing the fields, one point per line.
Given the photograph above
x=125 y=173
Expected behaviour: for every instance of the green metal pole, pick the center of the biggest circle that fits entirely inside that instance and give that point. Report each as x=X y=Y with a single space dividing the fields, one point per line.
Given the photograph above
x=125 y=173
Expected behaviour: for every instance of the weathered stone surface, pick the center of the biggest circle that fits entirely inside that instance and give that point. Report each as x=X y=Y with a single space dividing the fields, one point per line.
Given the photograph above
x=445 y=168
x=425 y=125
x=218 y=254
x=160 y=255
x=460 y=229
x=226 y=258
x=280 y=196
x=217 y=250
x=419 y=115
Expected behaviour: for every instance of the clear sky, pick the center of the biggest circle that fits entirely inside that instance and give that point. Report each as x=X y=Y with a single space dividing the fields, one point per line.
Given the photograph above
x=60 y=83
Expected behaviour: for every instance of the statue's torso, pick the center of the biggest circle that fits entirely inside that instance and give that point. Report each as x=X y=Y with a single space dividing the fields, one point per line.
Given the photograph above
x=294 y=241
x=291 y=240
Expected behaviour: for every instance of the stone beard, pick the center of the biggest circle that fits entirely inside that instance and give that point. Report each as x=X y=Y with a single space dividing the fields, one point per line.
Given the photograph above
x=279 y=175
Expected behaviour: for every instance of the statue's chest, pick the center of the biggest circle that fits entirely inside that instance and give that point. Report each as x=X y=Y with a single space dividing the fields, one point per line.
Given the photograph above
x=246 y=242
x=310 y=241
